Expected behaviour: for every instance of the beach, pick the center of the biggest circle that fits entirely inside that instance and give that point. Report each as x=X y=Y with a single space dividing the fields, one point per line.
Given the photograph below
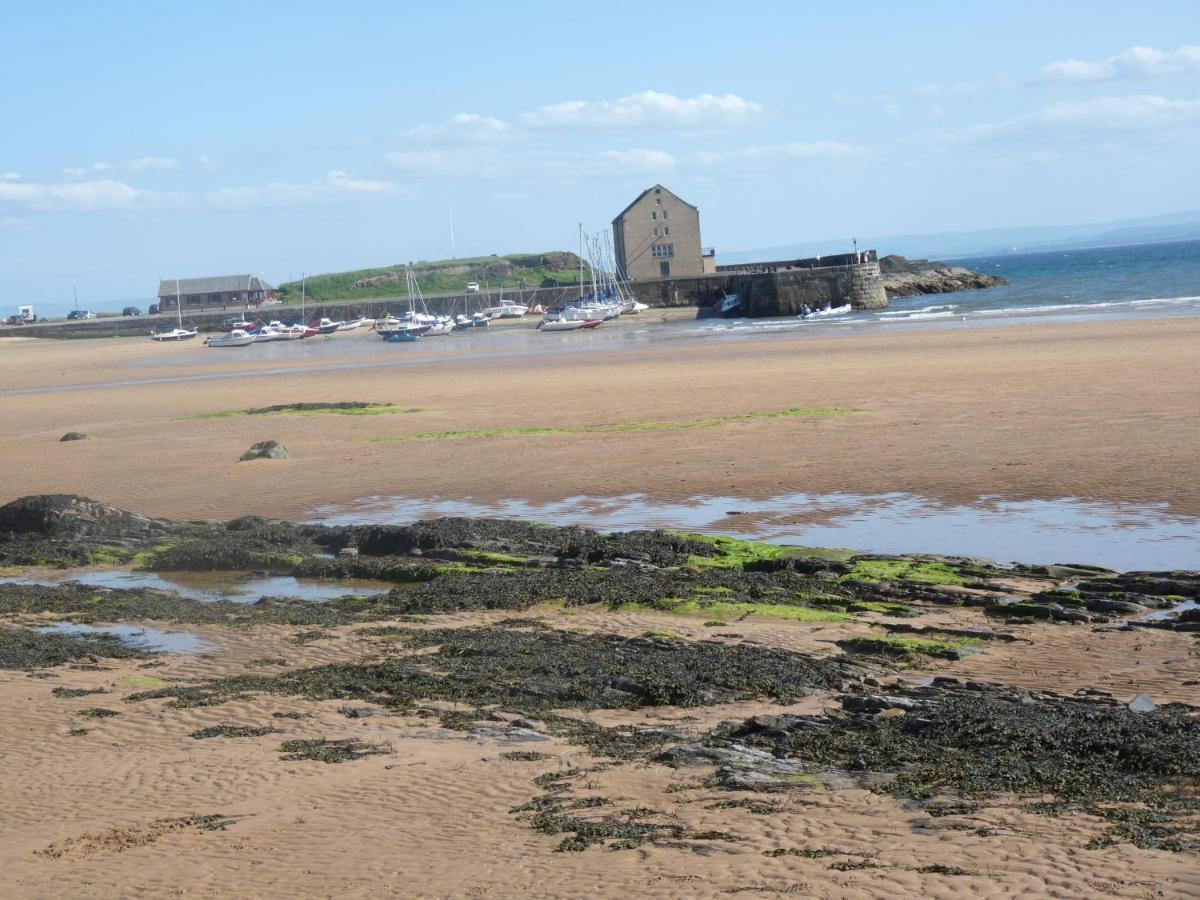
x=1097 y=410
x=453 y=797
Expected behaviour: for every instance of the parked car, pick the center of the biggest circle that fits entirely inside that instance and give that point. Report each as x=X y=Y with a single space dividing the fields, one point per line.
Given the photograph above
x=14 y=320
x=131 y=311
x=153 y=310
x=81 y=314
x=472 y=287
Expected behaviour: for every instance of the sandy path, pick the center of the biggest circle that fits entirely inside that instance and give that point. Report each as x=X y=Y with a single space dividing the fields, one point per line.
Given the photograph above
x=1103 y=410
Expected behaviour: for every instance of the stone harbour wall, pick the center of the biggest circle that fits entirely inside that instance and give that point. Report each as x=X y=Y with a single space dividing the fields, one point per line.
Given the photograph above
x=782 y=293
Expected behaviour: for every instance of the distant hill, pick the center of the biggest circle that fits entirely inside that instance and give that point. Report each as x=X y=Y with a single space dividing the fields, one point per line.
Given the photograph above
x=445 y=276
x=1181 y=226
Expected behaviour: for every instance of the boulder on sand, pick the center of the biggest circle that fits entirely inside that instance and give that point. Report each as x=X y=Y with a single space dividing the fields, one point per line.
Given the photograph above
x=74 y=436
x=266 y=450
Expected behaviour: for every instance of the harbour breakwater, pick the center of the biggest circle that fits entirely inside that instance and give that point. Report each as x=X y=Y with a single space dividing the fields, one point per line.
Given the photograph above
x=766 y=289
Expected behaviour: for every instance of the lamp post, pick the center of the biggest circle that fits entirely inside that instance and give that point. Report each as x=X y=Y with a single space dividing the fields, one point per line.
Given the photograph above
x=76 y=293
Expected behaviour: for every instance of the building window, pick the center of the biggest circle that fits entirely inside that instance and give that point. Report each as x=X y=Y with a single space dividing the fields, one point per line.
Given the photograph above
x=662 y=251
x=653 y=215
x=664 y=270
x=666 y=231
x=656 y=231
x=658 y=200
x=664 y=213
x=193 y=300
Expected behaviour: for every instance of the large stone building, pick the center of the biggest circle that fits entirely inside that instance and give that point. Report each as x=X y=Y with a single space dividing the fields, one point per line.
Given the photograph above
x=224 y=291
x=658 y=236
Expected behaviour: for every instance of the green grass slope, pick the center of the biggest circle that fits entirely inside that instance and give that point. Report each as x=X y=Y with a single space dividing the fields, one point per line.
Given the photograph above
x=527 y=270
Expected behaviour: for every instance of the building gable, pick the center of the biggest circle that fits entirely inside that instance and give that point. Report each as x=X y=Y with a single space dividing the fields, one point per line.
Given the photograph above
x=638 y=199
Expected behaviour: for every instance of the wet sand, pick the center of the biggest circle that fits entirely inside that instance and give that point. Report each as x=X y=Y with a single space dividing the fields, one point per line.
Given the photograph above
x=431 y=814
x=1101 y=410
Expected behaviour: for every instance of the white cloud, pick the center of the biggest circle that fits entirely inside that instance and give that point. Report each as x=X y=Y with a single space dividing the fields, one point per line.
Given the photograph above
x=1132 y=113
x=462 y=127
x=206 y=163
x=486 y=162
x=335 y=187
x=340 y=181
x=813 y=151
x=645 y=108
x=10 y=176
x=1136 y=62
x=71 y=195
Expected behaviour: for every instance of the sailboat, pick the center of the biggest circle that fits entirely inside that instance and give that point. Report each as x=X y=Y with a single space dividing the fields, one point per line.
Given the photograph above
x=413 y=324
x=178 y=333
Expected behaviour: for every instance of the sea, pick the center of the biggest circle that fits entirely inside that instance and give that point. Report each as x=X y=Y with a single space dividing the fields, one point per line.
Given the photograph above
x=1105 y=282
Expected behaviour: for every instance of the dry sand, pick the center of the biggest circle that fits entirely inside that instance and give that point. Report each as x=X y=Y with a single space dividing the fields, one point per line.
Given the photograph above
x=1101 y=410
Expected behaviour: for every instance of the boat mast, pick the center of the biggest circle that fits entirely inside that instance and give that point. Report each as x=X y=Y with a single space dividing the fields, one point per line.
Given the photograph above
x=580 y=260
x=178 y=308
x=302 y=298
x=453 y=249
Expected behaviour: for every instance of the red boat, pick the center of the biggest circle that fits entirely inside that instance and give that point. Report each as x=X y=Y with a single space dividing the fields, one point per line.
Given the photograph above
x=593 y=323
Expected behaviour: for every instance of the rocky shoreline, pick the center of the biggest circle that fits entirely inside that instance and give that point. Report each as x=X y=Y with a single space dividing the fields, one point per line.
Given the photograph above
x=519 y=635
x=913 y=277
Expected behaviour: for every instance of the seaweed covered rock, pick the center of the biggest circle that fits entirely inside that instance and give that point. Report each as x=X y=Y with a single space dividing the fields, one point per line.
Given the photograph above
x=983 y=740
x=71 y=516
x=265 y=450
x=23 y=648
x=661 y=548
x=540 y=671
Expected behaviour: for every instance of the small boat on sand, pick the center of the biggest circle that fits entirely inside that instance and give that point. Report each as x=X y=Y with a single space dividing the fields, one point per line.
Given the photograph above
x=325 y=326
x=563 y=324
x=478 y=320
x=403 y=336
x=235 y=338
x=175 y=334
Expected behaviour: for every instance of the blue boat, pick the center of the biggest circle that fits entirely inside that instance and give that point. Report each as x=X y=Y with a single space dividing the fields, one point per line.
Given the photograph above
x=402 y=337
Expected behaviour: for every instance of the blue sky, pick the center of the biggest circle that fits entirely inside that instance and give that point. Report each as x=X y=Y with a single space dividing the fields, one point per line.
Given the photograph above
x=276 y=138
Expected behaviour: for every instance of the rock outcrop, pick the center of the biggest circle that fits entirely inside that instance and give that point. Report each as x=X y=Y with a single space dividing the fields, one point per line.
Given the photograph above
x=67 y=516
x=913 y=277
x=266 y=450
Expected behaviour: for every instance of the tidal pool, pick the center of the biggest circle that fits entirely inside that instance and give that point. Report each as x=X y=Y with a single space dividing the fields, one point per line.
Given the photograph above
x=137 y=636
x=1118 y=536
x=240 y=587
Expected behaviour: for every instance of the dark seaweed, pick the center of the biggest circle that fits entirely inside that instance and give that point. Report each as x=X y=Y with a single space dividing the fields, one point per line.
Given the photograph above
x=23 y=648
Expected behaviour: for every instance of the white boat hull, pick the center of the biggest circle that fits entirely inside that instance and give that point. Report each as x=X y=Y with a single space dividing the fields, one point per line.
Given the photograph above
x=175 y=334
x=562 y=325
x=234 y=339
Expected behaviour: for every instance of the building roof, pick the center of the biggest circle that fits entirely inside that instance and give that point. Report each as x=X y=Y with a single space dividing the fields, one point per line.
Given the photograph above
x=639 y=197
x=218 y=284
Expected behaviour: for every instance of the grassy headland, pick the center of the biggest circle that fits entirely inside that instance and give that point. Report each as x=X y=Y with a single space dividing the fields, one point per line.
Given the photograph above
x=525 y=270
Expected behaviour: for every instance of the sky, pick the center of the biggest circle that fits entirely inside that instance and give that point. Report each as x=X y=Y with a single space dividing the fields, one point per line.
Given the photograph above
x=186 y=139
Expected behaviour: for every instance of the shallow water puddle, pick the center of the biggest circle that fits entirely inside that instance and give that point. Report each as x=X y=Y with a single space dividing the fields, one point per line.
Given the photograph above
x=1166 y=615
x=1119 y=536
x=137 y=636
x=239 y=587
